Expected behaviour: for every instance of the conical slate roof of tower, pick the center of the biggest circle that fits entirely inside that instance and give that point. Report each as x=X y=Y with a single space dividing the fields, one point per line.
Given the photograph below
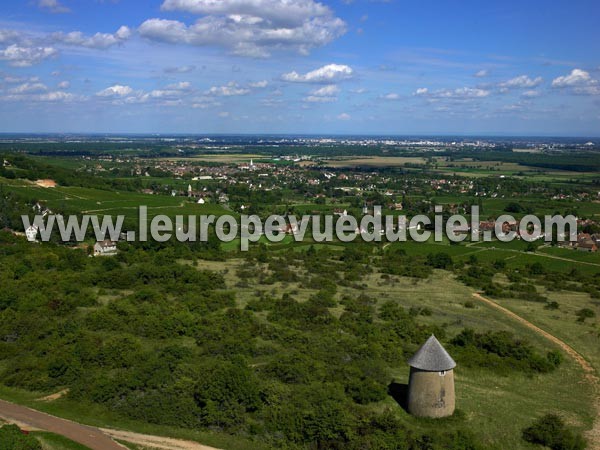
x=432 y=357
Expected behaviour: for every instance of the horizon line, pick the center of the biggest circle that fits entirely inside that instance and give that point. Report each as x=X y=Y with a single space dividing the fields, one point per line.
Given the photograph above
x=333 y=134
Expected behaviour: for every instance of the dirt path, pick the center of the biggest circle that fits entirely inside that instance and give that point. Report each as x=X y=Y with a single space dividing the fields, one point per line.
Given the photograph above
x=94 y=438
x=537 y=253
x=590 y=374
x=155 y=442
x=31 y=419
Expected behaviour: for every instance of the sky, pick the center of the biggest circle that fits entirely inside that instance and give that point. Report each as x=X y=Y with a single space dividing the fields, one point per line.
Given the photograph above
x=301 y=66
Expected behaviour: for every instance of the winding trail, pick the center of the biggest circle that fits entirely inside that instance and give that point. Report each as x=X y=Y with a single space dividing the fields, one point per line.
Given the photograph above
x=590 y=374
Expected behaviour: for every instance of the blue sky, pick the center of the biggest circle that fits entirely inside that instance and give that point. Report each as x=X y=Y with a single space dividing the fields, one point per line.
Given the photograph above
x=300 y=66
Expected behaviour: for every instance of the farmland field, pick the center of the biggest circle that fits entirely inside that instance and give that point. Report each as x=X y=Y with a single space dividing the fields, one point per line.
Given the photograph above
x=380 y=161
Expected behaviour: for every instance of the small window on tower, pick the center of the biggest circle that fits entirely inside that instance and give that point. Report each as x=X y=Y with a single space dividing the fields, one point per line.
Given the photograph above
x=443 y=373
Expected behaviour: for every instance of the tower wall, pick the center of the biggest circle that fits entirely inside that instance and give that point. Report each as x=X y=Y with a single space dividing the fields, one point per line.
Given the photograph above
x=430 y=394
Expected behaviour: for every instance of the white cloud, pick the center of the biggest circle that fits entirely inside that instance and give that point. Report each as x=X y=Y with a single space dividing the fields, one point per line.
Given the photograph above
x=344 y=116
x=180 y=69
x=390 y=96
x=522 y=81
x=326 y=94
x=579 y=82
x=64 y=85
x=181 y=86
x=230 y=90
x=319 y=99
x=577 y=77
x=252 y=28
x=27 y=88
x=53 y=6
x=115 y=91
x=204 y=103
x=9 y=79
x=326 y=91
x=172 y=94
x=531 y=94
x=224 y=114
x=283 y=13
x=56 y=96
x=96 y=41
x=358 y=91
x=481 y=74
x=457 y=94
x=26 y=56
x=588 y=90
x=326 y=74
x=7 y=36
x=259 y=84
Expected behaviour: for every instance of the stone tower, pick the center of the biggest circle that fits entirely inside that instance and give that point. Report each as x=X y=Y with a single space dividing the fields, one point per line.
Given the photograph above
x=431 y=383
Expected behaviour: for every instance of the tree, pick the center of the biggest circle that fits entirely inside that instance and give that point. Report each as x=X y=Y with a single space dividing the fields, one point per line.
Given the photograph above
x=551 y=432
x=514 y=207
x=225 y=392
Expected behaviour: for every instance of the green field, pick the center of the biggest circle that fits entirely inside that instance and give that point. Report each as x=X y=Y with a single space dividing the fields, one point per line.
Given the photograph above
x=51 y=441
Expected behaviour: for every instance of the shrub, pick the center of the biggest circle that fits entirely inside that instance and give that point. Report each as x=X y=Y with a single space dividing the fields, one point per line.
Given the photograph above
x=514 y=207
x=552 y=306
x=554 y=357
x=439 y=260
x=551 y=432
x=585 y=313
x=12 y=438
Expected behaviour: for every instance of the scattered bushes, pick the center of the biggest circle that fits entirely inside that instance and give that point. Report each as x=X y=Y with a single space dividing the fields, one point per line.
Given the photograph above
x=501 y=352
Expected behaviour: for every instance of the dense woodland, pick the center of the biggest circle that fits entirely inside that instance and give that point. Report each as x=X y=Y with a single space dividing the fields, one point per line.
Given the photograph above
x=176 y=349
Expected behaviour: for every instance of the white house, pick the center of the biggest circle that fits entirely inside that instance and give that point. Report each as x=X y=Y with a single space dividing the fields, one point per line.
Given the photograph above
x=105 y=248
x=31 y=233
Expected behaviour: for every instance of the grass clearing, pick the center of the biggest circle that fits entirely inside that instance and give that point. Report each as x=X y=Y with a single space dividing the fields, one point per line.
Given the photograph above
x=51 y=441
x=374 y=161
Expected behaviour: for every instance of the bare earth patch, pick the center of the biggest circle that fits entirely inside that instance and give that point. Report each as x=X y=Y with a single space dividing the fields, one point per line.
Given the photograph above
x=53 y=397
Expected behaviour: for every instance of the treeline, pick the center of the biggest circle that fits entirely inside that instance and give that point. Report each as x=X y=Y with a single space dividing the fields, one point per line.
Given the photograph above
x=575 y=161
x=93 y=149
x=27 y=168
